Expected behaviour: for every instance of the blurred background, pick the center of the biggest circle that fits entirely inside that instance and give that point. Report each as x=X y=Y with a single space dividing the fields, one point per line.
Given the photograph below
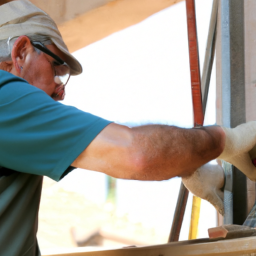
x=139 y=75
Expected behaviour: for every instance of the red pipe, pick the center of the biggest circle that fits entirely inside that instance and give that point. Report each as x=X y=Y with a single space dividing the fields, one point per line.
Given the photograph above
x=194 y=64
x=197 y=109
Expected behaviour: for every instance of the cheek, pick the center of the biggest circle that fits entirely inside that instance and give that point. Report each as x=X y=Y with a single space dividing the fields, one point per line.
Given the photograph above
x=40 y=75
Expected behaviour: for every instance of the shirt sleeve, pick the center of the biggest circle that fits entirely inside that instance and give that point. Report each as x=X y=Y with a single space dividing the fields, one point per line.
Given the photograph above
x=38 y=135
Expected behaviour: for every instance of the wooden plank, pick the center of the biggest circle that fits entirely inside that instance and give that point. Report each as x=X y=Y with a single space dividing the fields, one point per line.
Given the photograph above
x=108 y=19
x=234 y=247
x=83 y=22
x=231 y=232
x=64 y=10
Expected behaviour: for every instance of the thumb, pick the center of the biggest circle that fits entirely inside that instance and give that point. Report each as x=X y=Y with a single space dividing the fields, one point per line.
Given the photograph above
x=239 y=140
x=216 y=199
x=207 y=183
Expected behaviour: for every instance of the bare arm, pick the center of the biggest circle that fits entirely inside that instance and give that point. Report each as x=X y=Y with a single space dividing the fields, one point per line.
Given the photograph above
x=151 y=152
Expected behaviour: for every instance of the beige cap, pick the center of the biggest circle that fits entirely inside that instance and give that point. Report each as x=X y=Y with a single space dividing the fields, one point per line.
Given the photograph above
x=21 y=17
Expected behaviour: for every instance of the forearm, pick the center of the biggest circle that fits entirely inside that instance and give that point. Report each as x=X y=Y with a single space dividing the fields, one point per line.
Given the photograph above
x=171 y=151
x=151 y=152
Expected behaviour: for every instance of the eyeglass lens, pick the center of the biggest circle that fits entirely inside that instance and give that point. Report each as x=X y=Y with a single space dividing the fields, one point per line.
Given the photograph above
x=62 y=70
x=62 y=74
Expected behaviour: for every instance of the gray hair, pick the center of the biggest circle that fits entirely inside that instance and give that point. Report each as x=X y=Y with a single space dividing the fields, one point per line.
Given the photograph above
x=7 y=45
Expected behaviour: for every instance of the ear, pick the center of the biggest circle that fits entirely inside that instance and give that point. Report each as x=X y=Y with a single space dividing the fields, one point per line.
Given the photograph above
x=20 y=50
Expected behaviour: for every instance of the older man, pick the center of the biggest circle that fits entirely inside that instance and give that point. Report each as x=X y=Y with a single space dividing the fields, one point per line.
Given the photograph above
x=40 y=136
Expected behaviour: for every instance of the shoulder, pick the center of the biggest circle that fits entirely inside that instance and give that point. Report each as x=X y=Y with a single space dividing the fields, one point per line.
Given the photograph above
x=15 y=90
x=13 y=87
x=8 y=78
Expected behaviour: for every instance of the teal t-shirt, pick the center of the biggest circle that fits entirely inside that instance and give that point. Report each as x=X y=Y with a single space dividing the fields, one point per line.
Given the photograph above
x=38 y=137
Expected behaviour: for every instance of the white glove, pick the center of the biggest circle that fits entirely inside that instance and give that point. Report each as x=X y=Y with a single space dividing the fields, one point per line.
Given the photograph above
x=240 y=148
x=207 y=183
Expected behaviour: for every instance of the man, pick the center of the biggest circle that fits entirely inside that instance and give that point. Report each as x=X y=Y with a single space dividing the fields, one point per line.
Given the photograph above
x=39 y=136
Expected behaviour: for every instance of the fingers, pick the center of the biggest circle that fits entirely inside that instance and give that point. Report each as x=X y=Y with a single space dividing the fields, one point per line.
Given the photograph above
x=239 y=140
x=240 y=148
x=194 y=184
x=206 y=178
x=244 y=163
x=207 y=183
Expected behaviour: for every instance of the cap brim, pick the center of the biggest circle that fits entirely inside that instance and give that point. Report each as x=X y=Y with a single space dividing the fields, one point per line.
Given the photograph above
x=73 y=63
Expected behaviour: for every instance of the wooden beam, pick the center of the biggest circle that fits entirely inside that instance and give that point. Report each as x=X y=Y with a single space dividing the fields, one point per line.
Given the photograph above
x=83 y=22
x=64 y=10
x=108 y=19
x=202 y=247
x=4 y=1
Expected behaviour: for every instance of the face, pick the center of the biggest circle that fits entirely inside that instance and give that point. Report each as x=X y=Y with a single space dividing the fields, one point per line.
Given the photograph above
x=39 y=70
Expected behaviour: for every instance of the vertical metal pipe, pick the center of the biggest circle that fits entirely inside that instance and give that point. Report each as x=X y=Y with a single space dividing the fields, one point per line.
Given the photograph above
x=209 y=53
x=225 y=57
x=228 y=194
x=179 y=214
x=233 y=98
x=226 y=101
x=237 y=72
x=194 y=219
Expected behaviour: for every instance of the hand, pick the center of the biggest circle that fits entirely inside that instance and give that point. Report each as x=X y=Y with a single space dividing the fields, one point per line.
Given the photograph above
x=207 y=182
x=240 y=148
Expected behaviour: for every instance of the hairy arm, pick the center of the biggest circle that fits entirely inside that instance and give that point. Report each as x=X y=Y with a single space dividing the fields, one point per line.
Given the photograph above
x=151 y=152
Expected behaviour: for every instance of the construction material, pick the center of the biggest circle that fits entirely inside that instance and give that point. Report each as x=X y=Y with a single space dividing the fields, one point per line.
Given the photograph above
x=209 y=54
x=228 y=193
x=200 y=247
x=232 y=79
x=178 y=215
x=197 y=109
x=231 y=232
x=198 y=106
x=194 y=221
x=194 y=64
x=251 y=219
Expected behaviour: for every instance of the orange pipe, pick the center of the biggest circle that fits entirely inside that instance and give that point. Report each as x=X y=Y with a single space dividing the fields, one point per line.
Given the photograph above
x=194 y=64
x=196 y=98
x=198 y=121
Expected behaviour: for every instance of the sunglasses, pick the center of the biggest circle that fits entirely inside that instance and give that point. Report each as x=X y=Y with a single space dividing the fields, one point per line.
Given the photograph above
x=61 y=68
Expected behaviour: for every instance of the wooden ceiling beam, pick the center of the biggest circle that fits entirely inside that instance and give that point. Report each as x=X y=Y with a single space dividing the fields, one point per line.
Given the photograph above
x=108 y=19
x=83 y=22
